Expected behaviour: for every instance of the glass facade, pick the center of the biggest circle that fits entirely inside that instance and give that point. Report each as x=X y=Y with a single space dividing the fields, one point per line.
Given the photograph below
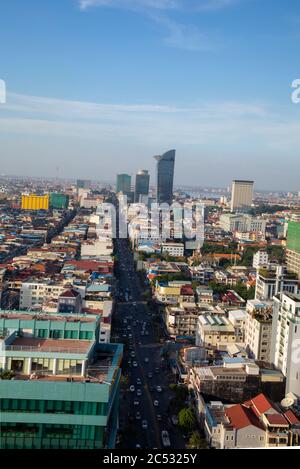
x=293 y=241
x=165 y=177
x=40 y=435
x=142 y=182
x=124 y=183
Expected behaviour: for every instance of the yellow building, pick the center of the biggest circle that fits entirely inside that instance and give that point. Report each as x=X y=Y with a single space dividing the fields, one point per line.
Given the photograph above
x=35 y=202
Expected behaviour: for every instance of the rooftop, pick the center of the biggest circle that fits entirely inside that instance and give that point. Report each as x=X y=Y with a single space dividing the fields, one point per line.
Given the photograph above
x=26 y=344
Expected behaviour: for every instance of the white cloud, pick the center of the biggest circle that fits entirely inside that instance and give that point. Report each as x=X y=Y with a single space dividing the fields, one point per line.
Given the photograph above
x=181 y=36
x=227 y=124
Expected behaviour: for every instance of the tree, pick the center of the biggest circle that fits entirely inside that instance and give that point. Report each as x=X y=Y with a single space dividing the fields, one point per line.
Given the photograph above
x=187 y=419
x=196 y=442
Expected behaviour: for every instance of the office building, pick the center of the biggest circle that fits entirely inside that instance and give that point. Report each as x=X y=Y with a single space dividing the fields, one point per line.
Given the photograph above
x=35 y=202
x=59 y=201
x=232 y=223
x=293 y=247
x=123 y=184
x=165 y=177
x=285 y=349
x=242 y=195
x=142 y=181
x=83 y=184
x=62 y=387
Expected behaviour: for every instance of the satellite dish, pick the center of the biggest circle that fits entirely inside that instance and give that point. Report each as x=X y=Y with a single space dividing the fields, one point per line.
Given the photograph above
x=287 y=402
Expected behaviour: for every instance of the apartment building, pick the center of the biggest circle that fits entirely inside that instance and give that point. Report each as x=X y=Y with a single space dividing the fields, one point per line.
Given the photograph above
x=258 y=330
x=34 y=292
x=271 y=281
x=173 y=249
x=215 y=332
x=285 y=350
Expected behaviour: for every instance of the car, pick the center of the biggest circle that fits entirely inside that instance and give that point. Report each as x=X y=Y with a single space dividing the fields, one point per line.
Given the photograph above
x=132 y=354
x=132 y=388
x=136 y=402
x=146 y=360
x=139 y=392
x=156 y=370
x=134 y=364
x=158 y=388
x=138 y=381
x=156 y=404
x=174 y=420
x=165 y=439
x=130 y=336
x=144 y=424
x=150 y=375
x=138 y=416
x=159 y=418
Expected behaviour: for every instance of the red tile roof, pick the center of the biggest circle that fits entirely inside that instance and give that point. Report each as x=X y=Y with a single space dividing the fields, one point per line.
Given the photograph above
x=277 y=420
x=291 y=418
x=259 y=404
x=70 y=293
x=242 y=417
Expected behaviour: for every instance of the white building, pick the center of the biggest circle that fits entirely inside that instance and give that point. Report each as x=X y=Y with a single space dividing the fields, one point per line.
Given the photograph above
x=272 y=281
x=230 y=222
x=260 y=259
x=173 y=249
x=96 y=248
x=285 y=350
x=34 y=293
x=242 y=195
x=258 y=330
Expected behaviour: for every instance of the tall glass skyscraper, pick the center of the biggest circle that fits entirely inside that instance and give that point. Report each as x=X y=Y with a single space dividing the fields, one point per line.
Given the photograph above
x=142 y=181
x=165 y=177
x=123 y=183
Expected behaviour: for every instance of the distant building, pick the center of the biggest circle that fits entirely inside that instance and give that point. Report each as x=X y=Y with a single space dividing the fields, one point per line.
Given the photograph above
x=142 y=182
x=83 y=184
x=242 y=223
x=59 y=201
x=293 y=247
x=242 y=195
x=173 y=249
x=35 y=202
x=165 y=177
x=123 y=184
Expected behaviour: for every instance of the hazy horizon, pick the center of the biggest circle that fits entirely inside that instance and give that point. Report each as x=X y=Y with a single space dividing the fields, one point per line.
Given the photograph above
x=98 y=88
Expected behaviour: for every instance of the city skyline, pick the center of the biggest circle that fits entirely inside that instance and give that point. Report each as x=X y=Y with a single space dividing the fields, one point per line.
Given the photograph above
x=191 y=87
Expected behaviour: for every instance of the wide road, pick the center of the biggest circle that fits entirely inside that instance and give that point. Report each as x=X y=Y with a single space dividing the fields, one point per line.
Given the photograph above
x=145 y=366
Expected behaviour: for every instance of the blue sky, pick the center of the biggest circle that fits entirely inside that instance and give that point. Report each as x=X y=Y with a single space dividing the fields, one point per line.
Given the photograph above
x=99 y=86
